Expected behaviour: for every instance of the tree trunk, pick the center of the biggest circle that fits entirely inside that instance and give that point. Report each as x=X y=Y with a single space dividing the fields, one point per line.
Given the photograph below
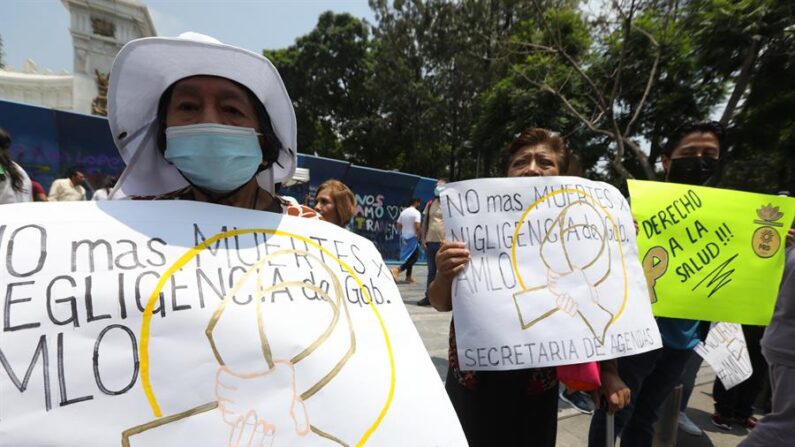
x=742 y=82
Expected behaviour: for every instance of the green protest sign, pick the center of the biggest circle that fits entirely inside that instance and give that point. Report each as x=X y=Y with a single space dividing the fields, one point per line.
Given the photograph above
x=711 y=254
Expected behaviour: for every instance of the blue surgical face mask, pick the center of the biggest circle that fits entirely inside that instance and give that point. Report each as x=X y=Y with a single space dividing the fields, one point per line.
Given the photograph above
x=216 y=157
x=436 y=191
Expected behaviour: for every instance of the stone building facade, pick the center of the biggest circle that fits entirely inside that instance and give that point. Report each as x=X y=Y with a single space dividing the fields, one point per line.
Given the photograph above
x=99 y=29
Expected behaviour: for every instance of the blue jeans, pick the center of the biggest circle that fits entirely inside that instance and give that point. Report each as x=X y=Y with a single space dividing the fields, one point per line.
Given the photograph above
x=433 y=248
x=651 y=377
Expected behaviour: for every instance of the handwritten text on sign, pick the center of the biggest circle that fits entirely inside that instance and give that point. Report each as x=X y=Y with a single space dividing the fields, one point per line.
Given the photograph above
x=173 y=323
x=711 y=254
x=726 y=352
x=554 y=277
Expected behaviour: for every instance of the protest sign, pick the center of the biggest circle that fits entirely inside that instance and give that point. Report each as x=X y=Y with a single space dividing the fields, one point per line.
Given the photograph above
x=711 y=254
x=727 y=354
x=554 y=276
x=181 y=323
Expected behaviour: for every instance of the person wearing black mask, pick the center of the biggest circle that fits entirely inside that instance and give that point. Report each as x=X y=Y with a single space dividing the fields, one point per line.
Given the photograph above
x=693 y=157
x=690 y=156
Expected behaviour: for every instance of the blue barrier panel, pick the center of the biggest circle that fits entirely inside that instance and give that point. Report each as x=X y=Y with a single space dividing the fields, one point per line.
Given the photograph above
x=380 y=197
x=424 y=190
x=86 y=143
x=47 y=142
x=34 y=140
x=320 y=170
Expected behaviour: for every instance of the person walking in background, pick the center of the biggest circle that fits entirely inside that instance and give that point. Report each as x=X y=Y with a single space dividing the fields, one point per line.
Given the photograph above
x=335 y=202
x=69 y=188
x=104 y=192
x=432 y=235
x=409 y=225
x=15 y=184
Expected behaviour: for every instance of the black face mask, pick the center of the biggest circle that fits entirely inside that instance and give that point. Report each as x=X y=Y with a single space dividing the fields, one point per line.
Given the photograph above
x=692 y=170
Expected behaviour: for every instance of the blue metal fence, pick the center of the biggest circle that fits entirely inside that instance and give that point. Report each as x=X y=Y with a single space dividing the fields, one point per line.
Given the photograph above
x=47 y=142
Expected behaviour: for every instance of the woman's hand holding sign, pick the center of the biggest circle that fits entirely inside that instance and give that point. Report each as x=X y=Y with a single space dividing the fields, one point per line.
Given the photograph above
x=616 y=393
x=451 y=259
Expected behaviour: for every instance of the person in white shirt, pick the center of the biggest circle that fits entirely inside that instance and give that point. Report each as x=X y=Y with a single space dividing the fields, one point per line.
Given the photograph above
x=69 y=188
x=15 y=184
x=409 y=225
x=104 y=192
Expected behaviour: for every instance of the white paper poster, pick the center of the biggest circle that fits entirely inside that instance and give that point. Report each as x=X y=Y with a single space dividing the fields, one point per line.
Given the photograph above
x=726 y=352
x=180 y=323
x=554 y=276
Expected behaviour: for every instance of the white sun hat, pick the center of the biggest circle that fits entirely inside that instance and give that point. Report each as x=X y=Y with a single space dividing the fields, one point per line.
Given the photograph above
x=145 y=68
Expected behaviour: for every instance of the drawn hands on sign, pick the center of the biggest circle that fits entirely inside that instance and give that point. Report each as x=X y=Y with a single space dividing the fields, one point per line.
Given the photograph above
x=254 y=420
x=573 y=276
x=572 y=289
x=576 y=295
x=251 y=432
x=259 y=407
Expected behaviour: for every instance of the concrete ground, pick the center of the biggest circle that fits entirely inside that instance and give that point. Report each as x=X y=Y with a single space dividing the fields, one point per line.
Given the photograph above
x=433 y=327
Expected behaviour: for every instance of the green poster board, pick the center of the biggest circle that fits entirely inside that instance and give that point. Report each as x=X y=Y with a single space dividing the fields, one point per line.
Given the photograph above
x=711 y=254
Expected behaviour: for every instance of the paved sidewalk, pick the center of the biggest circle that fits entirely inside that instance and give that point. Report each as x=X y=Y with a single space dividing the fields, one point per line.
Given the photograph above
x=433 y=327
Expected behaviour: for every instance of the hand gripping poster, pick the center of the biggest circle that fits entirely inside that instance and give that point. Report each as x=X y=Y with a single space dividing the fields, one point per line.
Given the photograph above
x=554 y=276
x=179 y=323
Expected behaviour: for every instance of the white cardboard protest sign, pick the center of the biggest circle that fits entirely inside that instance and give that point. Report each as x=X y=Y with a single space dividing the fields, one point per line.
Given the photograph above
x=554 y=276
x=726 y=352
x=180 y=323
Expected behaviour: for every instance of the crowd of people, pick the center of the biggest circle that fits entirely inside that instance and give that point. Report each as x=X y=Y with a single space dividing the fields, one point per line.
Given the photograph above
x=225 y=133
x=16 y=186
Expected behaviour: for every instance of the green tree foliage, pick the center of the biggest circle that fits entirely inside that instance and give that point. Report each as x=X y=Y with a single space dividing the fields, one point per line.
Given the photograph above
x=326 y=74
x=521 y=98
x=439 y=88
x=763 y=152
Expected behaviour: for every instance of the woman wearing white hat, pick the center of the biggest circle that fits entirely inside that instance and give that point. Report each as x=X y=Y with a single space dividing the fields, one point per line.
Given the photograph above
x=195 y=119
